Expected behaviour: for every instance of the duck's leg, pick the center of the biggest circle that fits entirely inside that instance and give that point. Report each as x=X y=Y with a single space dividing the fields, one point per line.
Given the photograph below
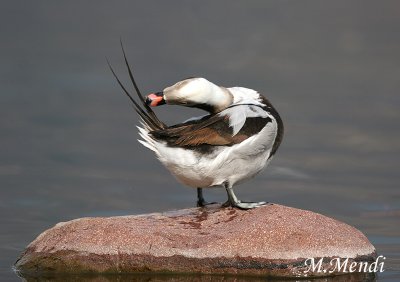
x=234 y=202
x=200 y=199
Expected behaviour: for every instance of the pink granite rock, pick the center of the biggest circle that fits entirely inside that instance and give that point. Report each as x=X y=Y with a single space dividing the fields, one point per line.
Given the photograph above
x=273 y=240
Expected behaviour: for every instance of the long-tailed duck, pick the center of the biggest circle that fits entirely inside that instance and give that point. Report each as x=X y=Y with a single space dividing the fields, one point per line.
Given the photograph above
x=233 y=142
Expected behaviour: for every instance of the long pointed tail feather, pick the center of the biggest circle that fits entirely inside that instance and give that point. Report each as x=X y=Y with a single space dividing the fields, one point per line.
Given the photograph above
x=146 y=114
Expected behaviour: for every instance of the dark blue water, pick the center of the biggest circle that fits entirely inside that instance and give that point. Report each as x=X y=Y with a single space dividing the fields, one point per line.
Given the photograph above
x=68 y=144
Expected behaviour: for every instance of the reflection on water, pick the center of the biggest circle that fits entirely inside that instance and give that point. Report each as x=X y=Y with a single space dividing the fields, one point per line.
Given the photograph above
x=68 y=144
x=194 y=278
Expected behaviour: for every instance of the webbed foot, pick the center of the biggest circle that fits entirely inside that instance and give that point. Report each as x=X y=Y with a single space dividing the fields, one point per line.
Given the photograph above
x=235 y=203
x=244 y=205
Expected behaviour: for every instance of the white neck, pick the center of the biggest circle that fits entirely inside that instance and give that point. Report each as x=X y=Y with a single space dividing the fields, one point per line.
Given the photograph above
x=219 y=98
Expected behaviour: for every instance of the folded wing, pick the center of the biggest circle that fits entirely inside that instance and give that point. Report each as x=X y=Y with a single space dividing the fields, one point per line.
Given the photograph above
x=214 y=130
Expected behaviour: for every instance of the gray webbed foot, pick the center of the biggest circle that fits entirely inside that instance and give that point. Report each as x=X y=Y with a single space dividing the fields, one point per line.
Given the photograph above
x=244 y=205
x=234 y=202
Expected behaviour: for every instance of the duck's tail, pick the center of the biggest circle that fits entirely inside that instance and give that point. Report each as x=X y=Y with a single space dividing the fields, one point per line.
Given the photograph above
x=147 y=115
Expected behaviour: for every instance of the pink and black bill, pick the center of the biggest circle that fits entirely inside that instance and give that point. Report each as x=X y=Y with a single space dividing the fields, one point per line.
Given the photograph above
x=155 y=99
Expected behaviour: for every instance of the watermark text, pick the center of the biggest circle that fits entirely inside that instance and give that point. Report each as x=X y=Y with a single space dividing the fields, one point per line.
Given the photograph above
x=344 y=265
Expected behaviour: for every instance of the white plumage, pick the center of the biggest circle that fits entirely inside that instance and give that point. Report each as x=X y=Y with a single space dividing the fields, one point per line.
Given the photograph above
x=226 y=164
x=234 y=142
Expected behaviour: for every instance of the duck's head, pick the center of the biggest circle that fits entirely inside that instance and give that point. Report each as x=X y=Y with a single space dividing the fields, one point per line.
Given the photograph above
x=193 y=92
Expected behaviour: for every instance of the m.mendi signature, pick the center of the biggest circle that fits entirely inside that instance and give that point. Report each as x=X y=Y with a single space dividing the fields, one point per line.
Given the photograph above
x=344 y=265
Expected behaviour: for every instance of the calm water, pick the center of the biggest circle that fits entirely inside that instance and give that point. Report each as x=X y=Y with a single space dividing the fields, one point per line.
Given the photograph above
x=68 y=144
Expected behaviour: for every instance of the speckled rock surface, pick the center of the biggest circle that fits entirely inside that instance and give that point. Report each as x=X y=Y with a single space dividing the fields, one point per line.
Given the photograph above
x=272 y=240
